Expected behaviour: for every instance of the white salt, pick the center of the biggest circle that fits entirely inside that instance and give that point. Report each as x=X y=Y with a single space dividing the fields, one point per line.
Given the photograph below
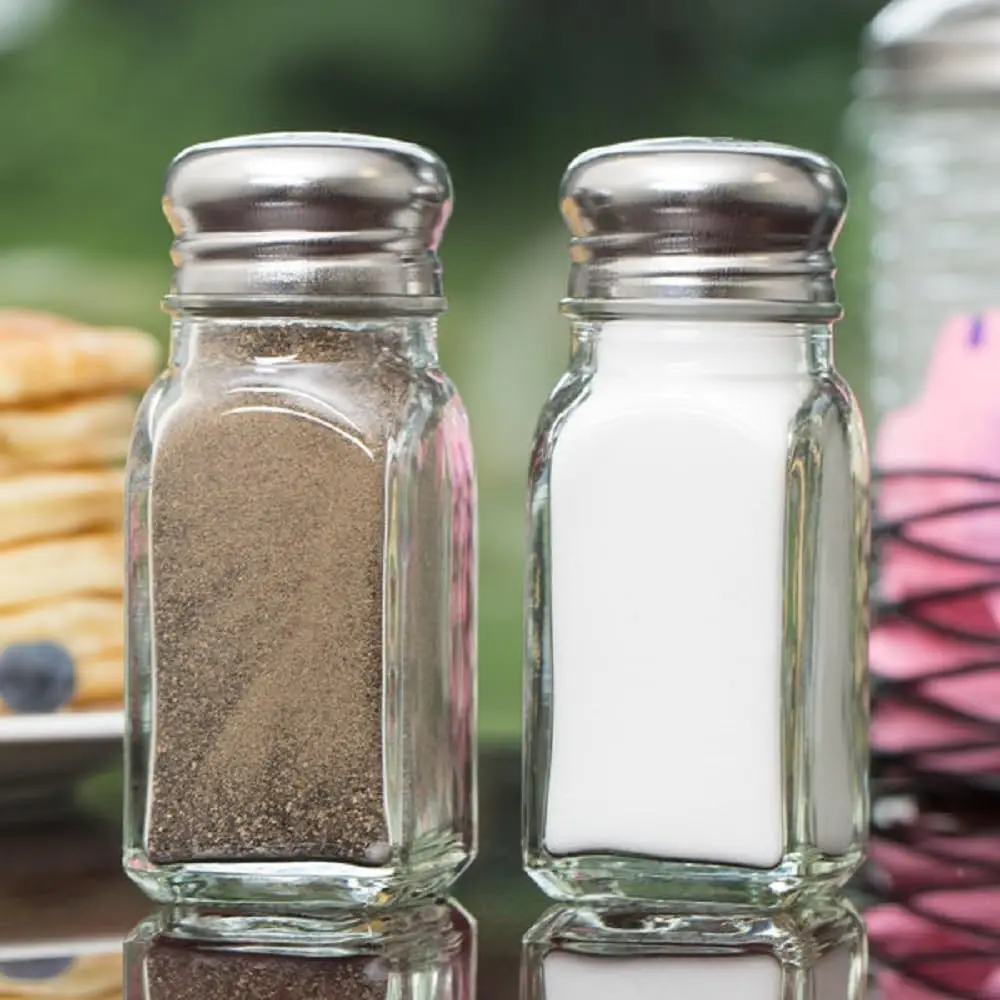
x=667 y=548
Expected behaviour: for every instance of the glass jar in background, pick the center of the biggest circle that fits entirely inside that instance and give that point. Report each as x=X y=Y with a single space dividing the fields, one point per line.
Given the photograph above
x=695 y=657
x=930 y=114
x=301 y=540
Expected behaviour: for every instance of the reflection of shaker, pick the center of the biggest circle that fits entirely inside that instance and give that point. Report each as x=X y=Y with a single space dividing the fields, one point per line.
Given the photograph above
x=427 y=953
x=818 y=952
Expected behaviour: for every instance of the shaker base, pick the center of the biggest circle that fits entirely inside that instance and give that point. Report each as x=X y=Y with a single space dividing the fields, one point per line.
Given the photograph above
x=302 y=887
x=320 y=934
x=607 y=878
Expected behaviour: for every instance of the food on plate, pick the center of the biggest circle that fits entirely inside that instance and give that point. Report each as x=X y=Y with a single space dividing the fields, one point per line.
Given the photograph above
x=67 y=401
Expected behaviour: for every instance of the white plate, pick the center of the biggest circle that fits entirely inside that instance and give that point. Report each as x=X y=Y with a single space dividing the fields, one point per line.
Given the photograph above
x=43 y=757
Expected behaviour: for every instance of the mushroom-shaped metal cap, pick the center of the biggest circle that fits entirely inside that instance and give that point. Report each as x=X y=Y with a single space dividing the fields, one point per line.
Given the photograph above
x=933 y=47
x=308 y=215
x=700 y=226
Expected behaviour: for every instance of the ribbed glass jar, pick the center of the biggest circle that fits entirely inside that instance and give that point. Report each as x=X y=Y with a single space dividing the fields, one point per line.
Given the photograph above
x=929 y=115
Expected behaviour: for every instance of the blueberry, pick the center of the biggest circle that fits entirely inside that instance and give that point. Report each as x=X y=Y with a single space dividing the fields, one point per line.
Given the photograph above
x=36 y=676
x=36 y=968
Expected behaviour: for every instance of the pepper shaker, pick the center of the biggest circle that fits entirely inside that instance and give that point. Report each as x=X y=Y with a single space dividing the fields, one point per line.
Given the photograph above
x=695 y=654
x=301 y=540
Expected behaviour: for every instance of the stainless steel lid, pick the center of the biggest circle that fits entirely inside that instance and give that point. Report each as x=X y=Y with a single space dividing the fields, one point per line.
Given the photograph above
x=291 y=216
x=703 y=227
x=933 y=47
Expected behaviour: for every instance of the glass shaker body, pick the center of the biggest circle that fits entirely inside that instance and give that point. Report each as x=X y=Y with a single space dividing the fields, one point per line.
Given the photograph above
x=696 y=688
x=301 y=597
x=696 y=696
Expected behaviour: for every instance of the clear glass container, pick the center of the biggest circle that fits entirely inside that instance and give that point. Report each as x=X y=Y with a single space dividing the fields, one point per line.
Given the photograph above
x=696 y=696
x=301 y=547
x=818 y=950
x=929 y=115
x=426 y=952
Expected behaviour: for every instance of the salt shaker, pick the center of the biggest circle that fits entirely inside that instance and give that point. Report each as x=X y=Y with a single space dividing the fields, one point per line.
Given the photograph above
x=301 y=540
x=695 y=654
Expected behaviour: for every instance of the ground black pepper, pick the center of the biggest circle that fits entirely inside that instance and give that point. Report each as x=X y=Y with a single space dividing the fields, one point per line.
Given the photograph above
x=267 y=524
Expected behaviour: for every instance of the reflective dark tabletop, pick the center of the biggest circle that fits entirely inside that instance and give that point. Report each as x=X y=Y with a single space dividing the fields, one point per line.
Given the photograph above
x=66 y=908
x=68 y=914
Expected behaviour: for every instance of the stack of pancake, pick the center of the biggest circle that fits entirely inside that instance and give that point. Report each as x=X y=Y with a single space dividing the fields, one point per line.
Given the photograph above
x=67 y=401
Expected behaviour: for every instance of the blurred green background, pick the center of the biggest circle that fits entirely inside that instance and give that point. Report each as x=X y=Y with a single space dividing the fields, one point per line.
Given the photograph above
x=98 y=95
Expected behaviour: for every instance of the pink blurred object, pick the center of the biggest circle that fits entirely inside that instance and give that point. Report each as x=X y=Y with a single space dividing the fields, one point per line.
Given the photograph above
x=935 y=861
x=939 y=708
x=921 y=720
x=954 y=427
x=938 y=511
x=936 y=647
x=930 y=959
x=992 y=990
x=904 y=651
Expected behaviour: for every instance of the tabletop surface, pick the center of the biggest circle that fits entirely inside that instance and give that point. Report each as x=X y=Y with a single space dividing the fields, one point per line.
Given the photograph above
x=68 y=915
x=66 y=908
